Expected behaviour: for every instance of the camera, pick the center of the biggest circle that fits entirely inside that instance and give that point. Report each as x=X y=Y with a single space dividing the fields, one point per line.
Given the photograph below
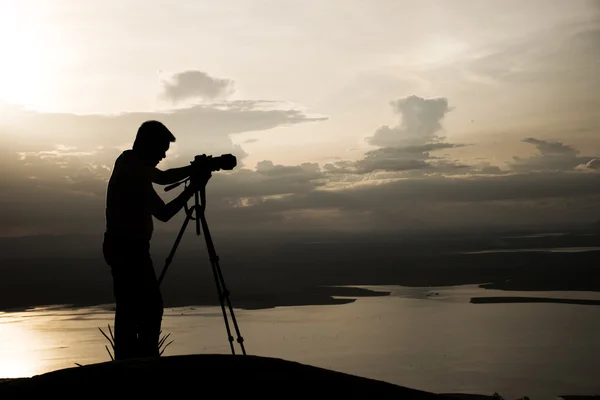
x=210 y=163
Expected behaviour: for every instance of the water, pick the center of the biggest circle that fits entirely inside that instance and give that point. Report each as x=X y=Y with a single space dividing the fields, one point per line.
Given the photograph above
x=426 y=338
x=540 y=249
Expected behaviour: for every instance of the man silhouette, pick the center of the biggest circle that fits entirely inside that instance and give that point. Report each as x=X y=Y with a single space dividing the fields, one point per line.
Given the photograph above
x=131 y=202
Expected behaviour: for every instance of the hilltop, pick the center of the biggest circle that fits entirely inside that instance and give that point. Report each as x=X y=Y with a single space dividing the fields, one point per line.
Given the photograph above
x=207 y=374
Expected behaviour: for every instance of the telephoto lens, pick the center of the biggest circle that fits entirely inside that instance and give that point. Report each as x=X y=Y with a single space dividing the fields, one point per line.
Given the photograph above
x=210 y=163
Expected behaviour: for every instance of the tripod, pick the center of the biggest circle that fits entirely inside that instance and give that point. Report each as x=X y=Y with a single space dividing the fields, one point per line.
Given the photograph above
x=222 y=290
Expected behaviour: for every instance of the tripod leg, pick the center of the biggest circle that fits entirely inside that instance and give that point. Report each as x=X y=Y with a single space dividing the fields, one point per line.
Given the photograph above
x=198 y=207
x=172 y=254
x=221 y=288
x=221 y=294
x=240 y=339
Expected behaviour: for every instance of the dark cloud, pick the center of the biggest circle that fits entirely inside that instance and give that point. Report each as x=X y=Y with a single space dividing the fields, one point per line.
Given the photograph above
x=552 y=148
x=480 y=194
x=484 y=167
x=268 y=180
x=375 y=162
x=60 y=190
x=196 y=84
x=505 y=187
x=405 y=158
x=276 y=197
x=552 y=156
x=508 y=199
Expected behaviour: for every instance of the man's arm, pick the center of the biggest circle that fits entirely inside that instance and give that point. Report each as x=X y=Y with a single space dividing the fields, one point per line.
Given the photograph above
x=171 y=175
x=164 y=212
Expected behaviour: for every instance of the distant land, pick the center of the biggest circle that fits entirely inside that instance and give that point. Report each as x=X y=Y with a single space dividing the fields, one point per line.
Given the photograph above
x=520 y=299
x=264 y=271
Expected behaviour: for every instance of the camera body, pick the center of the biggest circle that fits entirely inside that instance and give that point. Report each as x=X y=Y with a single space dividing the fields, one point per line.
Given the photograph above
x=210 y=163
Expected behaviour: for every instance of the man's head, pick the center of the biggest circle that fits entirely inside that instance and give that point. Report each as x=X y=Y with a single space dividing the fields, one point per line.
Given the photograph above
x=152 y=141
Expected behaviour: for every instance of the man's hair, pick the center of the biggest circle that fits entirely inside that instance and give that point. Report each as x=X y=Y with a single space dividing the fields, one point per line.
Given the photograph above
x=152 y=133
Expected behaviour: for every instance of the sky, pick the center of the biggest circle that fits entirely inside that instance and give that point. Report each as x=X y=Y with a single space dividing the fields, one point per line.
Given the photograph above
x=344 y=115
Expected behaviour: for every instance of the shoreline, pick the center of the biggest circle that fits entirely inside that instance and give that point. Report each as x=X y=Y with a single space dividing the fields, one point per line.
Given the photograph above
x=319 y=296
x=327 y=296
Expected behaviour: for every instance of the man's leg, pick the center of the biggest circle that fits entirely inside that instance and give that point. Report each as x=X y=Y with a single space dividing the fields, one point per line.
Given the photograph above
x=151 y=312
x=126 y=313
x=117 y=256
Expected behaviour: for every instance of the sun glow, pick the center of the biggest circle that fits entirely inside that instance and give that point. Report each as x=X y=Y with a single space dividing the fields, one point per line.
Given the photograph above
x=16 y=346
x=29 y=56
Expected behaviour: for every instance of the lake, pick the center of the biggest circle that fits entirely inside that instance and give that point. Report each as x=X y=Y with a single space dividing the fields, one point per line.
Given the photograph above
x=426 y=338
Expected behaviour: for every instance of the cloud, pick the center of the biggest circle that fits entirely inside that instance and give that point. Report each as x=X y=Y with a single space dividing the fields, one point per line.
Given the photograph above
x=60 y=188
x=405 y=158
x=57 y=193
x=65 y=168
x=408 y=145
x=429 y=202
x=553 y=156
x=57 y=164
x=593 y=164
x=199 y=129
x=567 y=50
x=551 y=148
x=268 y=180
x=196 y=84
x=70 y=197
x=420 y=122
x=335 y=196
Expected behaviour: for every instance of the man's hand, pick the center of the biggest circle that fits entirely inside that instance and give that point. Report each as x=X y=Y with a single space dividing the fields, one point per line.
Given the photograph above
x=199 y=165
x=165 y=212
x=200 y=179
